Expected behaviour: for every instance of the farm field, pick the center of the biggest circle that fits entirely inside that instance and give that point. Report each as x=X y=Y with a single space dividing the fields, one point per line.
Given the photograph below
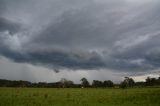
x=79 y=97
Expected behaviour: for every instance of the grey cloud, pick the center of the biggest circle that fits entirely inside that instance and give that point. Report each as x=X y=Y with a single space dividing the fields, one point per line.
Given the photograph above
x=106 y=34
x=57 y=59
x=2 y=6
x=6 y=25
x=79 y=27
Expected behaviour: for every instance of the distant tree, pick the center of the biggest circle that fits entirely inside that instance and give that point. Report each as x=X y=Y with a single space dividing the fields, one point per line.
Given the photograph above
x=66 y=83
x=131 y=82
x=158 y=80
x=84 y=82
x=128 y=82
x=97 y=83
x=69 y=84
x=63 y=82
x=108 y=83
x=153 y=81
x=148 y=81
x=123 y=85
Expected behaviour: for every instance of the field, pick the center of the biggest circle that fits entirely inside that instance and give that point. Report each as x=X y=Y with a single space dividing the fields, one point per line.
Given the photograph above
x=79 y=97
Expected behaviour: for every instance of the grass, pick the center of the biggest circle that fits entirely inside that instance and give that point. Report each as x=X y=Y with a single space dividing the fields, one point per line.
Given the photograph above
x=79 y=97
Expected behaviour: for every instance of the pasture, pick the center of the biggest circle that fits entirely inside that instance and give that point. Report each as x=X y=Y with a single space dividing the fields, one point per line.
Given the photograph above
x=79 y=97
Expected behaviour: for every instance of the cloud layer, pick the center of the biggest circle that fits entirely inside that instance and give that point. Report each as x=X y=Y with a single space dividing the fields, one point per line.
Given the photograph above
x=118 y=35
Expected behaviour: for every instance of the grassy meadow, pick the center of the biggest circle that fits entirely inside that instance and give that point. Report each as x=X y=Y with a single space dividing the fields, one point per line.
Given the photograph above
x=79 y=97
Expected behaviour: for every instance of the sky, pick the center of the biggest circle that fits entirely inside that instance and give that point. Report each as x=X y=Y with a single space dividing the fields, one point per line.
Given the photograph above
x=96 y=39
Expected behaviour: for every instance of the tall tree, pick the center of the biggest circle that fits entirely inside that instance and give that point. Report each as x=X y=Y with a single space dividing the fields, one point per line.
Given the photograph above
x=84 y=82
x=128 y=82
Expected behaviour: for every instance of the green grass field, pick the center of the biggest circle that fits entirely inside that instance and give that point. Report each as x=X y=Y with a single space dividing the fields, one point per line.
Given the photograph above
x=79 y=97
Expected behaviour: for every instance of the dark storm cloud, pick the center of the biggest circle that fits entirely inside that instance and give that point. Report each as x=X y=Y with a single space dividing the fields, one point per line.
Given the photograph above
x=6 y=25
x=121 y=35
x=57 y=59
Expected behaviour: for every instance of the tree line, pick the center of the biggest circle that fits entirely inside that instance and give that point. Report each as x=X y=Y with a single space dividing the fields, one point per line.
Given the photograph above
x=64 y=83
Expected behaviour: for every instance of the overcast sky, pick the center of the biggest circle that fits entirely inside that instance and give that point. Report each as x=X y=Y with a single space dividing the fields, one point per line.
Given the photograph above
x=96 y=39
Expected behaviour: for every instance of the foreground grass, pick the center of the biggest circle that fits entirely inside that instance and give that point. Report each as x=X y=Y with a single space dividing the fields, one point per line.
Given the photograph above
x=79 y=97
